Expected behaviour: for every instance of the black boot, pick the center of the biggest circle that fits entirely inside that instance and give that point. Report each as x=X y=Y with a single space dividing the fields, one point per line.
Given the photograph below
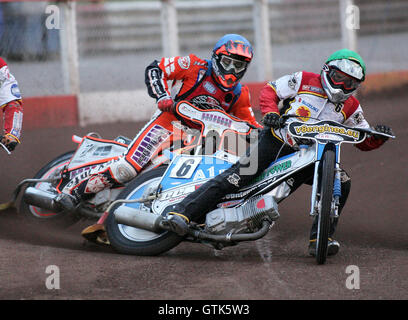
x=333 y=245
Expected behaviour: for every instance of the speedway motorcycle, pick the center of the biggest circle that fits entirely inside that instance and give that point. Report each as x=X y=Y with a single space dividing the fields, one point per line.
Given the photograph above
x=136 y=223
x=192 y=133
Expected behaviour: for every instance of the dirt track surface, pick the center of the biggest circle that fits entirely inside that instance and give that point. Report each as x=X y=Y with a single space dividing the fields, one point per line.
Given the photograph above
x=372 y=232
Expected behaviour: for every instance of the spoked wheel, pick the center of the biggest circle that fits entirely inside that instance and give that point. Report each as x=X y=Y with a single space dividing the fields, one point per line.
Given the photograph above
x=42 y=216
x=326 y=198
x=130 y=240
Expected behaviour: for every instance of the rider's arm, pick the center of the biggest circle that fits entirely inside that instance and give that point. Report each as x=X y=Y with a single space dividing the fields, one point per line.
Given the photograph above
x=10 y=104
x=13 y=119
x=354 y=117
x=281 y=89
x=158 y=73
x=242 y=108
x=156 y=81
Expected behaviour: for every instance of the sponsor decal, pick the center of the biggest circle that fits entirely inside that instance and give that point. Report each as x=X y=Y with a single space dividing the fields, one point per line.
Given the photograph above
x=184 y=62
x=86 y=149
x=216 y=119
x=96 y=184
x=308 y=105
x=279 y=168
x=303 y=112
x=102 y=151
x=358 y=118
x=261 y=204
x=168 y=66
x=124 y=173
x=234 y=179
x=149 y=144
x=292 y=82
x=307 y=87
x=205 y=102
x=228 y=204
x=326 y=129
x=209 y=87
x=15 y=91
x=17 y=124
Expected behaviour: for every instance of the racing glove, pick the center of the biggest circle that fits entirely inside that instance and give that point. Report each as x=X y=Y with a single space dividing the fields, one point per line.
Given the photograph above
x=272 y=120
x=9 y=141
x=165 y=104
x=383 y=129
x=375 y=141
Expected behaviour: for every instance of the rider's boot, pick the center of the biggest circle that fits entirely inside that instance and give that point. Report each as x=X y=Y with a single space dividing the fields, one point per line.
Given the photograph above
x=113 y=173
x=333 y=246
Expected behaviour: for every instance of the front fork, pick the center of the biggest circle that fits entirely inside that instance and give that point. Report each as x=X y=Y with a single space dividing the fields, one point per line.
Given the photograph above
x=314 y=209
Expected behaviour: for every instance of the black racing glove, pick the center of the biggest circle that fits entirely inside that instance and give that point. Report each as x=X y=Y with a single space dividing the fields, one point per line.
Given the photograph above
x=9 y=142
x=272 y=120
x=383 y=129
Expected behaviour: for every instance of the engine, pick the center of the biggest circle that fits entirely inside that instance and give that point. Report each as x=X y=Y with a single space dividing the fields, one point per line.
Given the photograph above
x=242 y=219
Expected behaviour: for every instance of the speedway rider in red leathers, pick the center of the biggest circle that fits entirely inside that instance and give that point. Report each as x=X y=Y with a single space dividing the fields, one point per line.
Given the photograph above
x=325 y=96
x=215 y=82
x=12 y=107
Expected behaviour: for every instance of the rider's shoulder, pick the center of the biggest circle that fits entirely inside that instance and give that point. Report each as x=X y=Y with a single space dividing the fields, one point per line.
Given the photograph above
x=193 y=61
x=310 y=77
x=350 y=106
x=2 y=63
x=352 y=102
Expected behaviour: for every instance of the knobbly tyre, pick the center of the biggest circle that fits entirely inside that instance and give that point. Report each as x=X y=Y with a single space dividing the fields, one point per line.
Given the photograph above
x=135 y=224
x=196 y=126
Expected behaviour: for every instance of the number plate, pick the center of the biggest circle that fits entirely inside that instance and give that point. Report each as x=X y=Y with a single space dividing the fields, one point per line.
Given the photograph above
x=185 y=167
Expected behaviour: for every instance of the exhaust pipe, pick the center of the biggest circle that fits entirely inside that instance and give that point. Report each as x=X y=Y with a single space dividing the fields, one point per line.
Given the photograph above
x=138 y=218
x=41 y=199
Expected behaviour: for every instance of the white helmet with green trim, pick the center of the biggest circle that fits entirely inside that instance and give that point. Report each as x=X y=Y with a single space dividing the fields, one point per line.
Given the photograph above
x=342 y=74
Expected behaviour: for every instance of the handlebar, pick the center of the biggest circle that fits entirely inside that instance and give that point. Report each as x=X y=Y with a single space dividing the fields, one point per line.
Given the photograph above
x=368 y=131
x=5 y=148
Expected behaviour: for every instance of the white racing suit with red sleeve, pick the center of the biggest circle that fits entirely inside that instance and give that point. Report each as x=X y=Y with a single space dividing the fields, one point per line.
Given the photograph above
x=10 y=103
x=302 y=94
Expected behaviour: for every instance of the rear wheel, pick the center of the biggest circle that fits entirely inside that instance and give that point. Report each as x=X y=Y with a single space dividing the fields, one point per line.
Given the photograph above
x=326 y=199
x=43 y=216
x=130 y=240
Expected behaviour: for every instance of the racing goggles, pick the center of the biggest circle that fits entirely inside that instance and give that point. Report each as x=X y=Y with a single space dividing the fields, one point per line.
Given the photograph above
x=236 y=65
x=342 y=80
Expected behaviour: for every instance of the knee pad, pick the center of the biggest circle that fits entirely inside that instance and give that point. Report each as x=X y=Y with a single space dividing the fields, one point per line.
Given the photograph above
x=121 y=170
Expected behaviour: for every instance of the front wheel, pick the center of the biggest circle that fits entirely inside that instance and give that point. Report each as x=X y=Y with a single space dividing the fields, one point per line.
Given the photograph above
x=326 y=200
x=130 y=240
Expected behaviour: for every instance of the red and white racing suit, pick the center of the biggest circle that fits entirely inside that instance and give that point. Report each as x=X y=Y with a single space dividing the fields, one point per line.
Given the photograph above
x=10 y=102
x=303 y=95
x=192 y=81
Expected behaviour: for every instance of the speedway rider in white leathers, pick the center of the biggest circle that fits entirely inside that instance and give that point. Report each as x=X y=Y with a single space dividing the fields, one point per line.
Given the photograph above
x=307 y=95
x=11 y=106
